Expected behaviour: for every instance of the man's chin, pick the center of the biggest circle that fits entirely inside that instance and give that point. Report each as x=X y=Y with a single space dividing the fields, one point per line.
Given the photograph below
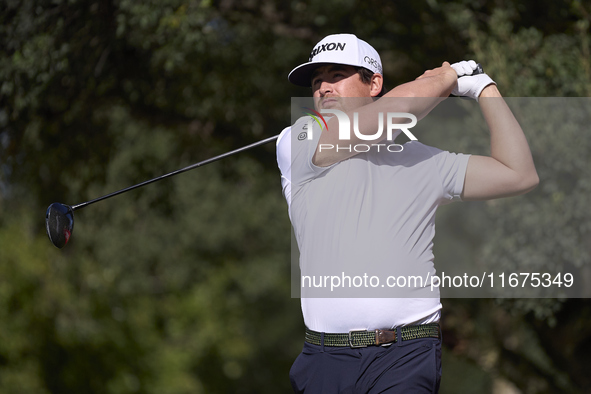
x=330 y=104
x=344 y=104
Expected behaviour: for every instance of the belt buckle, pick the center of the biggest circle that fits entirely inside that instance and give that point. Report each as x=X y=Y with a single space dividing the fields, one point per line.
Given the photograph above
x=351 y=339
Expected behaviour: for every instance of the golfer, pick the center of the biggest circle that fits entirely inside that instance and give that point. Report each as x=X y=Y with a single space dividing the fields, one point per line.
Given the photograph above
x=375 y=207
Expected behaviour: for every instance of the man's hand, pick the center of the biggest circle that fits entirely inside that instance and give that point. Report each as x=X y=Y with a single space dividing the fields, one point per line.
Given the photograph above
x=470 y=85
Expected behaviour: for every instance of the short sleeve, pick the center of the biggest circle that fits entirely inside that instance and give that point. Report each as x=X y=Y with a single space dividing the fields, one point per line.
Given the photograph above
x=451 y=168
x=284 y=161
x=296 y=146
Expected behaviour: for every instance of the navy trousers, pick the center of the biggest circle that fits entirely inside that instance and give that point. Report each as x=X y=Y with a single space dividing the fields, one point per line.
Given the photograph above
x=412 y=366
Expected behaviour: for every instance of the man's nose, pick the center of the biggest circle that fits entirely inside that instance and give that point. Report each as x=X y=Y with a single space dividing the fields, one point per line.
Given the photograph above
x=325 y=87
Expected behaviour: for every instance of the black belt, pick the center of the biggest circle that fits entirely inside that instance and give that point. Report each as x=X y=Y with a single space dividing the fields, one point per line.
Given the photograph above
x=363 y=338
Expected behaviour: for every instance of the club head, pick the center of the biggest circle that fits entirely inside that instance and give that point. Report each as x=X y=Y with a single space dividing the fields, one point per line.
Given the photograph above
x=59 y=223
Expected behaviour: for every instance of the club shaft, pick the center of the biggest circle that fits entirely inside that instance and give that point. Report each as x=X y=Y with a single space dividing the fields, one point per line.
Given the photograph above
x=170 y=174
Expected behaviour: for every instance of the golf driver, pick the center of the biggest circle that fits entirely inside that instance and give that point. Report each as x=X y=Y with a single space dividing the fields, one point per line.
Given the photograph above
x=59 y=218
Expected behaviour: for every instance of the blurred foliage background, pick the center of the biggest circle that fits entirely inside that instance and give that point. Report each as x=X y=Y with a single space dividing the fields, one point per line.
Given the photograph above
x=183 y=286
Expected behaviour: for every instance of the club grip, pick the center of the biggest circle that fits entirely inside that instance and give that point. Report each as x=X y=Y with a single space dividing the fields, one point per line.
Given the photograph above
x=478 y=70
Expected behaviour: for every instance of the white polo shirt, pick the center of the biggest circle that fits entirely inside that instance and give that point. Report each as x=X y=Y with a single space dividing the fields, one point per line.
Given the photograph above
x=373 y=211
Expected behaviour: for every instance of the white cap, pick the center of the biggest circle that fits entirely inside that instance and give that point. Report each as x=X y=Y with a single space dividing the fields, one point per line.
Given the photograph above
x=344 y=49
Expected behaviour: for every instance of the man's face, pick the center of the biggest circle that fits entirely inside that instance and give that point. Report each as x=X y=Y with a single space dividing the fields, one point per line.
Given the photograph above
x=333 y=86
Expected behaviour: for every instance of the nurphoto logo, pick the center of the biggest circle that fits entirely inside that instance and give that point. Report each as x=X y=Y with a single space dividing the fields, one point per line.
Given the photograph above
x=392 y=125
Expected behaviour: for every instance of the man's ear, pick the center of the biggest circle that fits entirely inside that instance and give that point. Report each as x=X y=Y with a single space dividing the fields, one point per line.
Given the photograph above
x=377 y=81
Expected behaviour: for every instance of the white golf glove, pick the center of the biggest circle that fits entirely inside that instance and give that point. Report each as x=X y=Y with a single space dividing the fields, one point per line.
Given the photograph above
x=469 y=85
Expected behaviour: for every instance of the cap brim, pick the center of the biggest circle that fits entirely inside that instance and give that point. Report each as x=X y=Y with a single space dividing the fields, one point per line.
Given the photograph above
x=302 y=74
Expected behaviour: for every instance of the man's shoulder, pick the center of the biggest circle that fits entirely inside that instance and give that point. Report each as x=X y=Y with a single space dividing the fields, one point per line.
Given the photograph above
x=284 y=136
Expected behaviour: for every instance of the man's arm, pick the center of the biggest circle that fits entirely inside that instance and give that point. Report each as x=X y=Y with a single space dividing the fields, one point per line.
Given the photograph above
x=438 y=82
x=510 y=168
x=417 y=97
